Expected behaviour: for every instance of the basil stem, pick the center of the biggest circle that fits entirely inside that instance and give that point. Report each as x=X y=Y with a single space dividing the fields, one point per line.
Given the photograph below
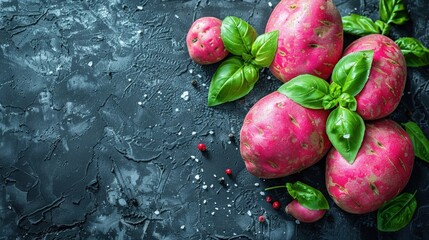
x=345 y=130
x=231 y=81
x=419 y=140
x=237 y=35
x=396 y=213
x=415 y=53
x=306 y=90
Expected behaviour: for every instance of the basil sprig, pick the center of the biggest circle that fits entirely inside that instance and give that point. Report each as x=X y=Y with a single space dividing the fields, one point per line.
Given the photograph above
x=344 y=127
x=237 y=75
x=396 y=213
x=419 y=140
x=307 y=196
x=415 y=53
x=391 y=12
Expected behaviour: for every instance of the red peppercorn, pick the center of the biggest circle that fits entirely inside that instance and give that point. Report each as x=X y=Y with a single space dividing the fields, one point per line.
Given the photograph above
x=261 y=218
x=228 y=171
x=268 y=199
x=202 y=147
x=276 y=205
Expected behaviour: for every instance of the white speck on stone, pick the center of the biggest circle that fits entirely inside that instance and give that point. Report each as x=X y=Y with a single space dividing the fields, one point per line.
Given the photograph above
x=249 y=213
x=211 y=132
x=179 y=133
x=213 y=213
x=270 y=4
x=159 y=92
x=214 y=175
x=140 y=103
x=216 y=208
x=199 y=75
x=202 y=170
x=185 y=95
x=256 y=184
x=235 y=184
x=129 y=79
x=297 y=221
x=182 y=227
x=145 y=95
x=211 y=186
x=139 y=8
x=90 y=63
x=229 y=205
x=204 y=201
x=262 y=193
x=204 y=187
x=191 y=70
x=176 y=16
x=197 y=177
x=156 y=212
x=176 y=109
x=193 y=133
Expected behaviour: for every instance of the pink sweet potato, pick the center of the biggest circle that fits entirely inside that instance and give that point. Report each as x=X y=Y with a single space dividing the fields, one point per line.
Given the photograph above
x=310 y=38
x=204 y=43
x=383 y=91
x=279 y=137
x=381 y=170
x=296 y=210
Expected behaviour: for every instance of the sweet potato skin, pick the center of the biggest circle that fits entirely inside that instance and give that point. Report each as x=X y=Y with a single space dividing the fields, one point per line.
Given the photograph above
x=383 y=91
x=381 y=170
x=296 y=210
x=310 y=38
x=204 y=42
x=279 y=137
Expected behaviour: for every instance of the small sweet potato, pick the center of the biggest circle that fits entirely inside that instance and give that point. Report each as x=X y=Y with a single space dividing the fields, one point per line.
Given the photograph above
x=204 y=43
x=296 y=210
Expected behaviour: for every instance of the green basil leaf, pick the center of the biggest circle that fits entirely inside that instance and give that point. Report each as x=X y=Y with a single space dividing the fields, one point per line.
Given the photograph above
x=306 y=90
x=396 y=213
x=348 y=101
x=307 y=196
x=415 y=53
x=384 y=27
x=264 y=48
x=329 y=102
x=231 y=81
x=393 y=11
x=237 y=35
x=419 y=140
x=352 y=71
x=345 y=130
x=359 y=25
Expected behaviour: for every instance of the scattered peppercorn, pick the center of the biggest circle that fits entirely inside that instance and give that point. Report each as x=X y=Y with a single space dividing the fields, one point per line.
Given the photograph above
x=228 y=171
x=231 y=136
x=194 y=82
x=261 y=218
x=221 y=180
x=202 y=147
x=276 y=205
x=268 y=199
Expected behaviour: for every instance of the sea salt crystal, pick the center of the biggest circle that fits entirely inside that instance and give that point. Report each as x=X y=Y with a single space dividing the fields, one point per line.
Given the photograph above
x=140 y=8
x=213 y=213
x=191 y=70
x=262 y=193
x=193 y=133
x=270 y=4
x=182 y=227
x=249 y=213
x=204 y=187
x=256 y=184
x=156 y=212
x=199 y=75
x=90 y=63
x=140 y=103
x=205 y=201
x=211 y=132
x=185 y=95
x=197 y=177
x=176 y=16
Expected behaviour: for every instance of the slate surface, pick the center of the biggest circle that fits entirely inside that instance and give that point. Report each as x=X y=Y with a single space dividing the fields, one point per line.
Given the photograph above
x=99 y=124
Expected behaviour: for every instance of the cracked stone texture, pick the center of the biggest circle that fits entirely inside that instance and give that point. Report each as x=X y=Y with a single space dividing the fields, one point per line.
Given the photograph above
x=99 y=124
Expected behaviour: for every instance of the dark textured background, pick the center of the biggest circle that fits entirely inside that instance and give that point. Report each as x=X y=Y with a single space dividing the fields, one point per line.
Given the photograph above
x=99 y=124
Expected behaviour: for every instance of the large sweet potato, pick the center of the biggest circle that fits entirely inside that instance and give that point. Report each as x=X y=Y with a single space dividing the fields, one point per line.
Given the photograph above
x=381 y=170
x=280 y=137
x=310 y=38
x=383 y=91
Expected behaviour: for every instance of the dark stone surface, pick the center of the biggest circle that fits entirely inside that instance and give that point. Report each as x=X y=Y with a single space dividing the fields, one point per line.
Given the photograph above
x=98 y=139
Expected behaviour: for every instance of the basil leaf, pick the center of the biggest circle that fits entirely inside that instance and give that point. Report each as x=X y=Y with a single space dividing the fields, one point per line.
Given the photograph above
x=359 y=25
x=264 y=48
x=231 y=81
x=393 y=11
x=384 y=27
x=352 y=71
x=396 y=213
x=306 y=90
x=237 y=35
x=415 y=53
x=345 y=130
x=419 y=140
x=307 y=196
x=348 y=101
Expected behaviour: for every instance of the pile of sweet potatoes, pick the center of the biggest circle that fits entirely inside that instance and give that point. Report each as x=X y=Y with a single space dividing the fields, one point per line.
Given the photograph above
x=334 y=104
